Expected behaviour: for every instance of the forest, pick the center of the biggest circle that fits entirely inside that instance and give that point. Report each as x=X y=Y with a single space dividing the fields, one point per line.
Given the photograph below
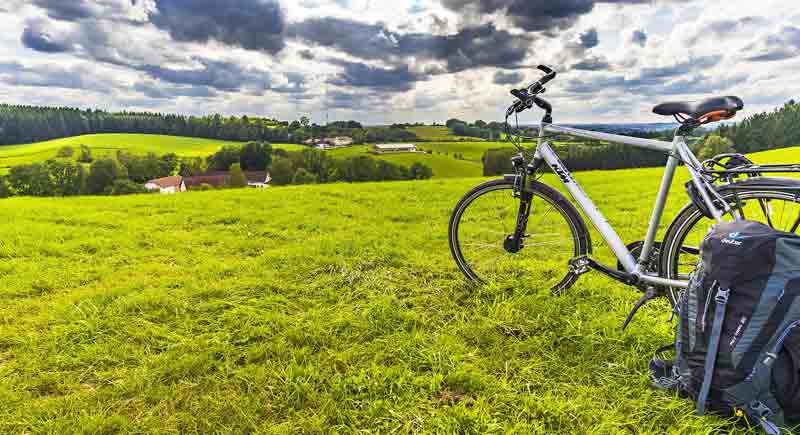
x=28 y=124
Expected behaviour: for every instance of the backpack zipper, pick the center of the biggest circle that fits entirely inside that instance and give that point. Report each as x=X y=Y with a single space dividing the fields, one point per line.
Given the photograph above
x=705 y=307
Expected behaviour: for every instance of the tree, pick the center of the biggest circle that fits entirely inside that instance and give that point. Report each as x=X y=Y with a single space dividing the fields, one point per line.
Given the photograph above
x=126 y=187
x=237 y=178
x=67 y=178
x=192 y=166
x=5 y=189
x=85 y=154
x=224 y=158
x=282 y=172
x=419 y=171
x=714 y=145
x=31 y=180
x=452 y=121
x=255 y=156
x=102 y=175
x=303 y=177
x=304 y=121
x=65 y=152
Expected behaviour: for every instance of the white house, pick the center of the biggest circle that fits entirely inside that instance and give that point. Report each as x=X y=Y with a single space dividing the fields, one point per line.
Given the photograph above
x=395 y=148
x=172 y=184
x=258 y=179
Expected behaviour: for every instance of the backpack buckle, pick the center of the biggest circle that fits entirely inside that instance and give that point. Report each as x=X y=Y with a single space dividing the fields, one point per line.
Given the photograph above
x=722 y=296
x=759 y=410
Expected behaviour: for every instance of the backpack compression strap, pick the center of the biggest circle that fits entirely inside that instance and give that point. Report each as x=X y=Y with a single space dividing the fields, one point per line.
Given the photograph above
x=713 y=347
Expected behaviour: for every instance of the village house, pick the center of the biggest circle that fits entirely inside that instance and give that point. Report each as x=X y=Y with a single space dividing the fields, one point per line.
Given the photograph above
x=389 y=148
x=257 y=179
x=167 y=185
x=330 y=142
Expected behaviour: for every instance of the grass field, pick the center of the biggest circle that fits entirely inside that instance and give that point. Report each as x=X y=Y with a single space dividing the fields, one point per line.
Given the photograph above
x=107 y=144
x=314 y=310
x=438 y=133
x=443 y=166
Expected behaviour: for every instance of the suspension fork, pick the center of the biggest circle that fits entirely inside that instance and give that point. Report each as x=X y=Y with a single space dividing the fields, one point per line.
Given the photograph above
x=515 y=242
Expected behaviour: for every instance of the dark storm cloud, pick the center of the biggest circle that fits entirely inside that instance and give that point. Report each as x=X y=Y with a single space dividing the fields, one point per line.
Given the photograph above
x=639 y=37
x=501 y=78
x=359 y=75
x=223 y=76
x=778 y=46
x=251 y=24
x=589 y=39
x=66 y=10
x=468 y=48
x=37 y=38
x=536 y=15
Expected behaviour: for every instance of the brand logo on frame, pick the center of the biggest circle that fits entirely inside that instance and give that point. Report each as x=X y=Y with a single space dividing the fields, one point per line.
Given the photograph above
x=562 y=174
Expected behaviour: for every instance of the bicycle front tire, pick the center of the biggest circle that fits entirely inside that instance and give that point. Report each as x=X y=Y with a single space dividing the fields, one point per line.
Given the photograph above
x=486 y=215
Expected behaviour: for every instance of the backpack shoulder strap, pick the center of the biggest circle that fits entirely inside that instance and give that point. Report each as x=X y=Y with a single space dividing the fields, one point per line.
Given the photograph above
x=713 y=346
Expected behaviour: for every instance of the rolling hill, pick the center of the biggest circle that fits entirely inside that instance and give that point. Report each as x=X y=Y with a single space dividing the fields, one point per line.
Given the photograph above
x=262 y=311
x=107 y=144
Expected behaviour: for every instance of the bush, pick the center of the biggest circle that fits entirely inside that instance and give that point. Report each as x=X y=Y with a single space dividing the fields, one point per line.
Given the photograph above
x=126 y=187
x=282 y=172
x=5 y=189
x=65 y=152
x=85 y=154
x=102 y=175
x=419 y=171
x=204 y=187
x=237 y=177
x=304 y=177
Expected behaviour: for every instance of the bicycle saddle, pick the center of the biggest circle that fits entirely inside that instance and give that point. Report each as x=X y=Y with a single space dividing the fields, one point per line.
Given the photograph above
x=698 y=109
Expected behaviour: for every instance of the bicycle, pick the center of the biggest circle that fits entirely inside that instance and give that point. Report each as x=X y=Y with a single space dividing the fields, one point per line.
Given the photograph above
x=542 y=234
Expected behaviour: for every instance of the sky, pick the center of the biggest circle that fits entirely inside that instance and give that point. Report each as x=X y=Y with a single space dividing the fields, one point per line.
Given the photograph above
x=380 y=61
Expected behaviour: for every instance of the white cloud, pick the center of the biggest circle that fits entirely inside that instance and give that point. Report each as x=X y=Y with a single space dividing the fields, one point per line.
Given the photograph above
x=425 y=67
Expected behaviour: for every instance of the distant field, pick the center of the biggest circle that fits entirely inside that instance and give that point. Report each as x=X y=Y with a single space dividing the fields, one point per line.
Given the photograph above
x=782 y=155
x=443 y=166
x=104 y=144
x=438 y=133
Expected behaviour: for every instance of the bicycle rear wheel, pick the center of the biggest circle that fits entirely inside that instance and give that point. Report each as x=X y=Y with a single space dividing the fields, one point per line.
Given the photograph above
x=681 y=247
x=486 y=216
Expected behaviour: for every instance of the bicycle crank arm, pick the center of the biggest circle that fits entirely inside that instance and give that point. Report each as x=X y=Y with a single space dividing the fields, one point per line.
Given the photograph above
x=581 y=265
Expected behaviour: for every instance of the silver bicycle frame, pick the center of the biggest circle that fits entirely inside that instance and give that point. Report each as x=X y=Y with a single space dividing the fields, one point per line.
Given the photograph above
x=677 y=151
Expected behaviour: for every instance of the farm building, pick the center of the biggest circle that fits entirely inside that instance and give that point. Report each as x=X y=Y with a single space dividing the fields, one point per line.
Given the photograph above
x=258 y=179
x=330 y=142
x=395 y=148
x=172 y=184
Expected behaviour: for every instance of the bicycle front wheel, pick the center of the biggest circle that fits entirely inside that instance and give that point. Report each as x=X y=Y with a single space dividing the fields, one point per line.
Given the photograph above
x=681 y=247
x=487 y=216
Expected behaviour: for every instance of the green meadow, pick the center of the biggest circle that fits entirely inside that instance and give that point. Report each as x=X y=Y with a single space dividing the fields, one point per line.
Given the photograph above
x=319 y=309
x=108 y=144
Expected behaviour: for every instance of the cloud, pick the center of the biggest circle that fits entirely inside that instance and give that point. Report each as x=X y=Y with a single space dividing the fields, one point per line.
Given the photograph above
x=778 y=46
x=359 y=75
x=513 y=78
x=639 y=37
x=250 y=24
x=470 y=47
x=67 y=10
x=52 y=76
x=153 y=90
x=592 y=63
x=223 y=76
x=589 y=39
x=37 y=38
x=535 y=15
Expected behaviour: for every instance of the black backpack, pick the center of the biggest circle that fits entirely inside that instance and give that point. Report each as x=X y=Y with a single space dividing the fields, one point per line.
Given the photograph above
x=737 y=348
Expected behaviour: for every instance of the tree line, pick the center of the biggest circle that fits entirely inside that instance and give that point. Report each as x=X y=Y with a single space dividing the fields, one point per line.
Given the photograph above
x=27 y=124
x=779 y=128
x=78 y=172
x=313 y=166
x=480 y=129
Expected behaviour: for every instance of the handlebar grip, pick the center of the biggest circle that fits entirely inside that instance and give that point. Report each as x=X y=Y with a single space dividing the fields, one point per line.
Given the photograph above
x=550 y=74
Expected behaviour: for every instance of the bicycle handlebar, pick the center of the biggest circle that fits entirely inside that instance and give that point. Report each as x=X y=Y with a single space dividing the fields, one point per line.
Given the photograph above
x=529 y=96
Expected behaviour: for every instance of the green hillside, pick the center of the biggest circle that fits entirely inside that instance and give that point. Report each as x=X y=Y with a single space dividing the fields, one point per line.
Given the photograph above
x=101 y=144
x=438 y=133
x=313 y=309
x=443 y=165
